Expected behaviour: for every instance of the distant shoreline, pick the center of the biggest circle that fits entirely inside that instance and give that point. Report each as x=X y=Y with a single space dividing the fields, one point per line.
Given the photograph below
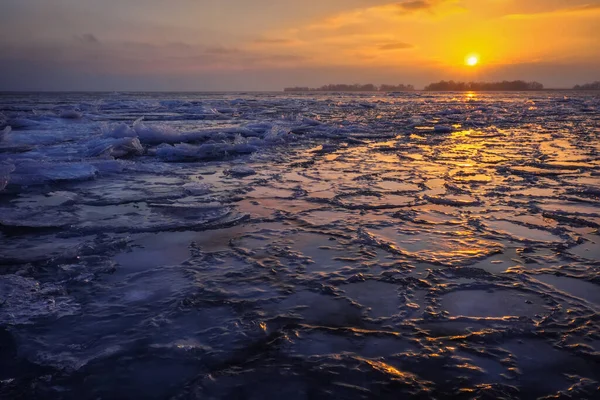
x=441 y=86
x=444 y=91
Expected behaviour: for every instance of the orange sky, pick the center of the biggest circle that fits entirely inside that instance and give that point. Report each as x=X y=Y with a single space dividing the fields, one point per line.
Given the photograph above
x=232 y=44
x=441 y=33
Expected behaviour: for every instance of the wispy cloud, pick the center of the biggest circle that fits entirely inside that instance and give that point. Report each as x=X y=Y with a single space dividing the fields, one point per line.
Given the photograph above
x=273 y=41
x=395 y=46
x=87 y=55
x=221 y=50
x=88 y=38
x=390 y=11
x=408 y=7
x=575 y=10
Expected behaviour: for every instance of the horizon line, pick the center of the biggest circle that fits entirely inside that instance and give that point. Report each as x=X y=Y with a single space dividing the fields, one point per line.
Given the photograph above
x=282 y=91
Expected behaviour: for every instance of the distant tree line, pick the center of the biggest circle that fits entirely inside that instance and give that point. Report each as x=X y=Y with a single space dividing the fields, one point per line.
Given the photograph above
x=441 y=86
x=588 y=86
x=484 y=86
x=369 y=87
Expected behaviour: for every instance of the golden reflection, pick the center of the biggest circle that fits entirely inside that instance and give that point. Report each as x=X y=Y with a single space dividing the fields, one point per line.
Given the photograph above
x=386 y=158
x=388 y=369
x=466 y=145
x=471 y=96
x=263 y=326
x=463 y=133
x=471 y=367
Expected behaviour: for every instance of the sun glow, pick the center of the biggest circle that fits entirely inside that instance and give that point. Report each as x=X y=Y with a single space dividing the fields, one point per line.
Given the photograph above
x=472 y=60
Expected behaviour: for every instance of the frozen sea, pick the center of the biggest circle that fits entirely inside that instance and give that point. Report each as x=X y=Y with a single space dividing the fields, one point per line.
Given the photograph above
x=308 y=246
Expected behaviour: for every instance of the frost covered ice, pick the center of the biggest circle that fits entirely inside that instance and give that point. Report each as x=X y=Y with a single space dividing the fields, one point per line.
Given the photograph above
x=419 y=245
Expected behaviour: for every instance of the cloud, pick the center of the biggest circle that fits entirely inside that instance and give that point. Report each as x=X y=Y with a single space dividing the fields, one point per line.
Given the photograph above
x=575 y=10
x=275 y=41
x=364 y=35
x=221 y=50
x=429 y=6
x=389 y=12
x=412 y=6
x=87 y=38
x=124 y=58
x=396 y=46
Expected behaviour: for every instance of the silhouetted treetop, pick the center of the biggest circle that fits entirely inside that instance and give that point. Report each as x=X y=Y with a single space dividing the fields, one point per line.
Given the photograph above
x=588 y=86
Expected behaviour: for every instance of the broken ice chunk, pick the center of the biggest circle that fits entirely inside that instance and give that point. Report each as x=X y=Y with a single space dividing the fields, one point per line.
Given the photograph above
x=5 y=170
x=240 y=171
x=34 y=172
x=71 y=114
x=209 y=151
x=25 y=300
x=197 y=189
x=442 y=129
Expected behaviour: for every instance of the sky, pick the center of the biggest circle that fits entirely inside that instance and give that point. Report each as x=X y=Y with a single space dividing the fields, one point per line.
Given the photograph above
x=119 y=45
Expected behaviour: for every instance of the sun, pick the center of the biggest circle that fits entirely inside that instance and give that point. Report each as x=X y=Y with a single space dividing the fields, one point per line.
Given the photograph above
x=472 y=60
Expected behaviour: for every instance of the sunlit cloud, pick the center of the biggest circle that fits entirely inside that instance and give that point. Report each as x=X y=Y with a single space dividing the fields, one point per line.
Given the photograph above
x=584 y=9
x=222 y=50
x=390 y=12
x=274 y=41
x=395 y=46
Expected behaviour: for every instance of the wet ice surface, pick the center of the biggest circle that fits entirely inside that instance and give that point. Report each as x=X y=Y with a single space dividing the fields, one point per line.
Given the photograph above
x=194 y=246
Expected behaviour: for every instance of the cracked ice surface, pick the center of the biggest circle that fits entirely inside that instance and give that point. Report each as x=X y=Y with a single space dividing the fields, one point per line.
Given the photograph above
x=302 y=246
